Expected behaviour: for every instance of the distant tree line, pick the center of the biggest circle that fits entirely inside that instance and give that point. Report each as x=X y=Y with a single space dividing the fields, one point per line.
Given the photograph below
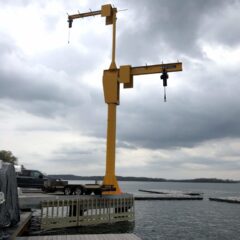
x=7 y=156
x=143 y=179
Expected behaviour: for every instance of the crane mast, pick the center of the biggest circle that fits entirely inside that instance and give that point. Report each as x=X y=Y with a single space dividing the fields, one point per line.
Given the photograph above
x=112 y=78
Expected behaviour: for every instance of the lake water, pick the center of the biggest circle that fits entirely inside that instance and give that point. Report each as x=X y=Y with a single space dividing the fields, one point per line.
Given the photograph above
x=170 y=220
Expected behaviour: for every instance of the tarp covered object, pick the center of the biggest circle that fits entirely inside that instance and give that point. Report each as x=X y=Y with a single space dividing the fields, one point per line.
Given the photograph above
x=9 y=210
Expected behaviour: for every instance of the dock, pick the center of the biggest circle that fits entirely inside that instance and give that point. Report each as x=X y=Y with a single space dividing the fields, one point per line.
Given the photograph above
x=226 y=199
x=33 y=199
x=55 y=209
x=58 y=210
x=125 y=236
x=153 y=194
x=21 y=226
x=165 y=197
x=171 y=192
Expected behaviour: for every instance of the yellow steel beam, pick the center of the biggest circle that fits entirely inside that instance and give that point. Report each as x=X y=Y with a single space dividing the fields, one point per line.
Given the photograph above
x=125 y=74
x=158 y=68
x=83 y=15
x=106 y=11
x=110 y=178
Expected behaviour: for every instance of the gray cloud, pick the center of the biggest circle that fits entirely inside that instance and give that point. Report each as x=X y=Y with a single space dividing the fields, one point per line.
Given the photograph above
x=220 y=26
x=80 y=155
x=204 y=107
x=173 y=28
x=187 y=163
x=40 y=89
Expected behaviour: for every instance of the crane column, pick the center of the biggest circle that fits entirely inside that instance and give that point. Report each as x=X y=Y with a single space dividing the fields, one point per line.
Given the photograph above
x=110 y=178
x=112 y=78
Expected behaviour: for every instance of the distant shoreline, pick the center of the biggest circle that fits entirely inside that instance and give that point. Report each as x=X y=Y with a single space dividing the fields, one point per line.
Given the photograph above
x=144 y=179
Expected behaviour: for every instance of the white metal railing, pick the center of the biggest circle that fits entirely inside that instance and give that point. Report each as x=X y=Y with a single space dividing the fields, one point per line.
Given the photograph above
x=87 y=210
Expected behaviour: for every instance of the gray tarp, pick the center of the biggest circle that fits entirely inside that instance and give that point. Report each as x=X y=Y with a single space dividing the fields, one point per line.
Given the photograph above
x=9 y=210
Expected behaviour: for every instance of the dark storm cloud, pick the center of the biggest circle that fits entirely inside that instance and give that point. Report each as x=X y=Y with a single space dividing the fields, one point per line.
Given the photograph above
x=209 y=107
x=172 y=28
x=193 y=115
x=39 y=89
x=221 y=26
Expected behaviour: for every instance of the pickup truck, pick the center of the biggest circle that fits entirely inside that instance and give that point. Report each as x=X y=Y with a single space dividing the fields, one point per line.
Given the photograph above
x=35 y=179
x=30 y=178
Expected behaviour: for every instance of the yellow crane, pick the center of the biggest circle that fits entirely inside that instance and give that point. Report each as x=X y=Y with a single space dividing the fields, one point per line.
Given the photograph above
x=112 y=78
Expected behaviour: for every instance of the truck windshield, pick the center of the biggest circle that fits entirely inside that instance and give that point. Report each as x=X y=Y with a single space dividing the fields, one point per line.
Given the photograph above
x=36 y=174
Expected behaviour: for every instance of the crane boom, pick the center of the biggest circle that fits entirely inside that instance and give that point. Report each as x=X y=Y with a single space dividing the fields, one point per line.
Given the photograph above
x=112 y=78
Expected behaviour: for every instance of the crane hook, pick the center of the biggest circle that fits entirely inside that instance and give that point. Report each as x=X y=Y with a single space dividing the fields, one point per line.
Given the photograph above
x=70 y=22
x=164 y=77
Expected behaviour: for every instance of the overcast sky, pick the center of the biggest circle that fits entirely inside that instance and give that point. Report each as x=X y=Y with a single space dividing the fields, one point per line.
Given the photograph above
x=52 y=111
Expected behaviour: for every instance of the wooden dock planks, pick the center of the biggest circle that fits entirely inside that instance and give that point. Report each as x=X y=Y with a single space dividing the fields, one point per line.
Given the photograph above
x=16 y=230
x=125 y=236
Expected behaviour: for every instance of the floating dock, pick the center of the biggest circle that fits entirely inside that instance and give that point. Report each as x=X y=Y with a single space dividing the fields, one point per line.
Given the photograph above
x=226 y=199
x=167 y=195
x=57 y=208
x=59 y=211
x=33 y=199
x=171 y=192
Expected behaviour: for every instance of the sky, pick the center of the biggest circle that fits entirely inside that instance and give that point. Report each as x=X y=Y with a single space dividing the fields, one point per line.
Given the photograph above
x=52 y=111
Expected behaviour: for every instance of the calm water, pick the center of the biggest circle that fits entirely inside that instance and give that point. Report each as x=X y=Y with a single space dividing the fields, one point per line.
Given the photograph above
x=170 y=220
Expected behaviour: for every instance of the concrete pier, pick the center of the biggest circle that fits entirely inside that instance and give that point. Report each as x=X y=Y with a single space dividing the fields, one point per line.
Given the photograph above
x=125 y=236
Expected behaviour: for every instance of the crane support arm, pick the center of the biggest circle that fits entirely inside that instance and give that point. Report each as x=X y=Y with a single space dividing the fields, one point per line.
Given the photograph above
x=125 y=74
x=83 y=15
x=106 y=11
x=158 y=68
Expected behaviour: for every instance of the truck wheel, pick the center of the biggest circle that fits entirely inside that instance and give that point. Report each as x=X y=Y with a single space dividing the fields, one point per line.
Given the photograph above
x=78 y=191
x=67 y=191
